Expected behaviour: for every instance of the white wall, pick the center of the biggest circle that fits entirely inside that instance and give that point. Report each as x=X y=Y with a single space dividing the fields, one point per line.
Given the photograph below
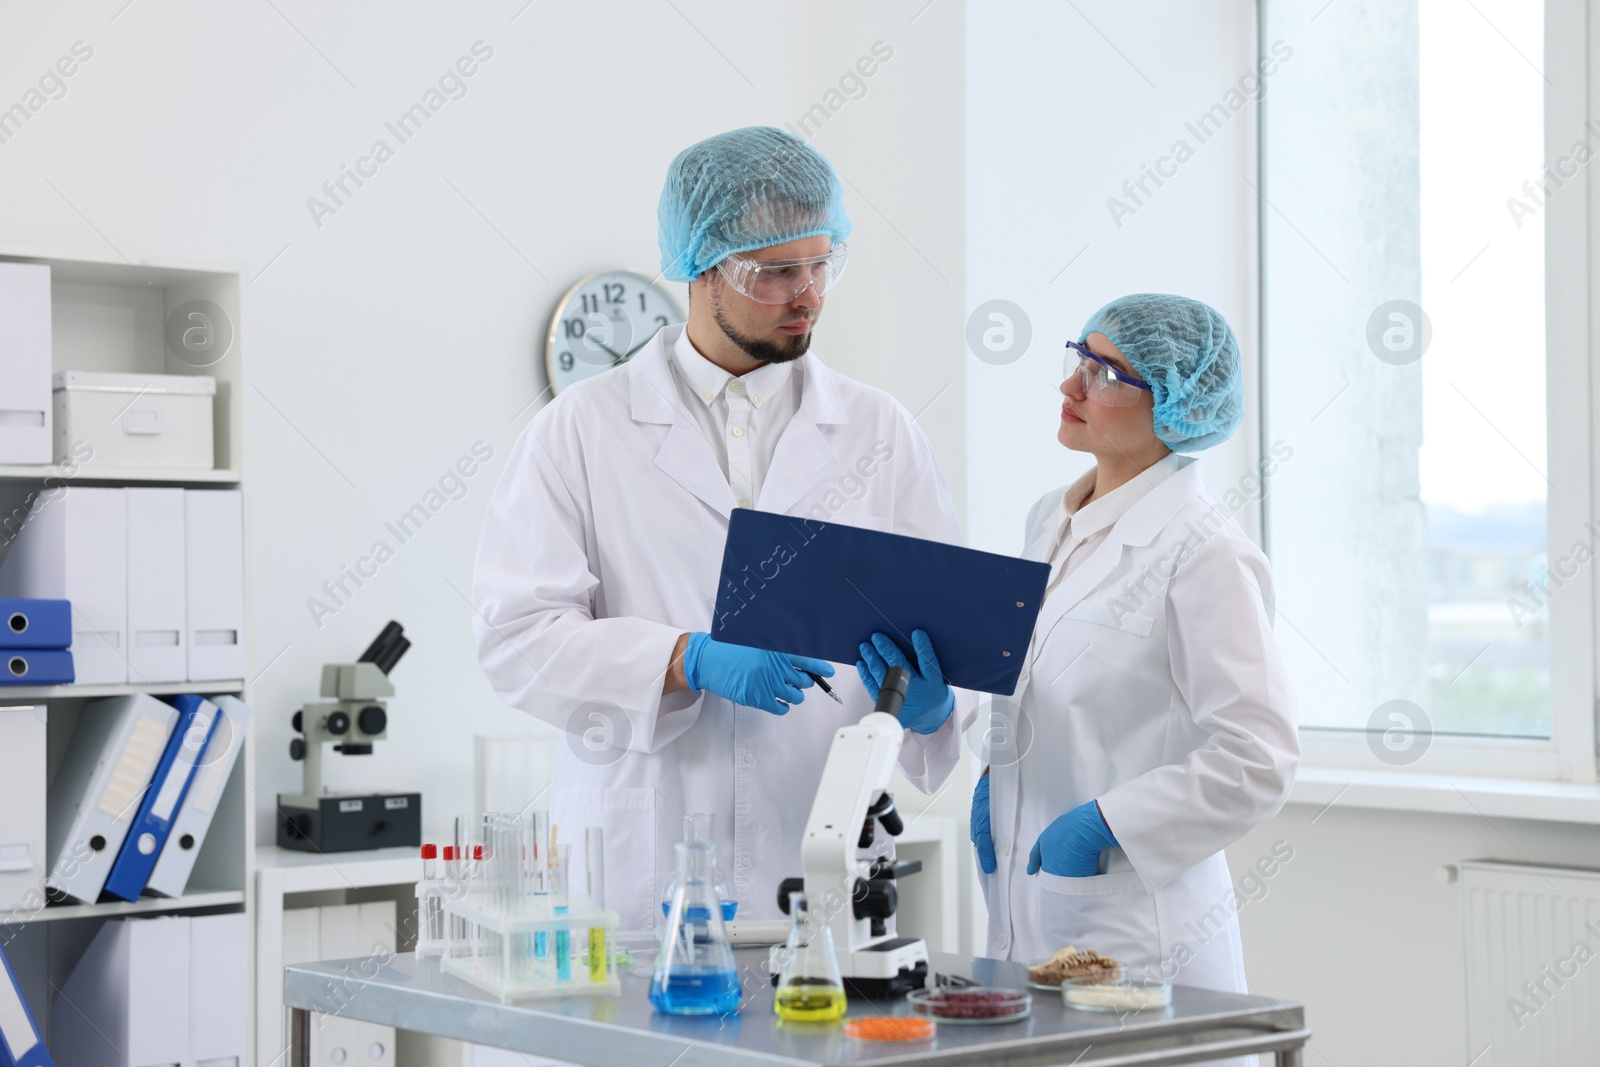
x=410 y=324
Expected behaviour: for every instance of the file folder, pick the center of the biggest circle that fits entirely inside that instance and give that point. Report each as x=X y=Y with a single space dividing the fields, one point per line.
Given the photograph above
x=21 y=1044
x=126 y=1003
x=22 y=792
x=74 y=546
x=214 y=547
x=176 y=862
x=807 y=588
x=31 y=623
x=197 y=719
x=25 y=400
x=98 y=789
x=35 y=666
x=218 y=990
x=156 y=595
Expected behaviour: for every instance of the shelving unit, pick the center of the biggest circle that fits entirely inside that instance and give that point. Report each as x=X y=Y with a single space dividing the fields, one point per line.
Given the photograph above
x=107 y=315
x=20 y=693
x=27 y=473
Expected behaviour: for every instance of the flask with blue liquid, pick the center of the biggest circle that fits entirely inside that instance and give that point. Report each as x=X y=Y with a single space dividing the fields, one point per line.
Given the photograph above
x=701 y=826
x=694 y=972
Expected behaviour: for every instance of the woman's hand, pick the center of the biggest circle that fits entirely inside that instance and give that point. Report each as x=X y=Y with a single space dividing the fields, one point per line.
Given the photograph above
x=982 y=840
x=1071 y=845
x=929 y=700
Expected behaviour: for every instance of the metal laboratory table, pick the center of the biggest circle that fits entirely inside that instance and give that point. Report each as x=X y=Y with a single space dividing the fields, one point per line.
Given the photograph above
x=412 y=994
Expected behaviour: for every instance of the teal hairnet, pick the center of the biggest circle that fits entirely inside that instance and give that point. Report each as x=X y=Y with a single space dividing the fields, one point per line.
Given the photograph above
x=1186 y=351
x=743 y=190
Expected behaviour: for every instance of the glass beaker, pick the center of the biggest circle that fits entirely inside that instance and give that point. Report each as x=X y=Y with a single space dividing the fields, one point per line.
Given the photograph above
x=694 y=968
x=810 y=989
x=702 y=827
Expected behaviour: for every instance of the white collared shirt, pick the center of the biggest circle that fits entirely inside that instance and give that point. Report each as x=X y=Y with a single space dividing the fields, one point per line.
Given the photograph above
x=1080 y=527
x=741 y=417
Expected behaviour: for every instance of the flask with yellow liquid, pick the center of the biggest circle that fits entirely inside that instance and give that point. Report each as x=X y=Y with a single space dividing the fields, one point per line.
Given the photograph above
x=810 y=989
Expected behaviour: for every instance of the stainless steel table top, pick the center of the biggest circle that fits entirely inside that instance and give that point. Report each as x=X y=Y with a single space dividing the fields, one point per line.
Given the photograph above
x=624 y=1031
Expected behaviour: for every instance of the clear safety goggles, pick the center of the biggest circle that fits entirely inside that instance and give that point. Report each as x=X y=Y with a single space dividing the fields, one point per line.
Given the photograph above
x=1101 y=382
x=781 y=281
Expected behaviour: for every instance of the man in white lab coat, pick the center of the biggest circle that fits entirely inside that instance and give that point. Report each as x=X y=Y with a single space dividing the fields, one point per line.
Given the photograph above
x=598 y=565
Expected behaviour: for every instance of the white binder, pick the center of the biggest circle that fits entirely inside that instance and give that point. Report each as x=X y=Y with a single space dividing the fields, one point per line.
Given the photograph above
x=157 y=631
x=22 y=792
x=189 y=829
x=214 y=545
x=218 y=990
x=74 y=546
x=25 y=401
x=97 y=789
x=126 y=1003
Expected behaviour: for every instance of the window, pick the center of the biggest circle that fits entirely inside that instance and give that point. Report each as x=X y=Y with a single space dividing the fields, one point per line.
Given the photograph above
x=1405 y=206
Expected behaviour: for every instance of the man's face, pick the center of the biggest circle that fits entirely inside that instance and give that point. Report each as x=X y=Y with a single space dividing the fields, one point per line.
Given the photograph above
x=771 y=333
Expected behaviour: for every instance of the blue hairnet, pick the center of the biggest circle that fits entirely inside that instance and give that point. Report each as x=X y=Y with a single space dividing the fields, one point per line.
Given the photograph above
x=1186 y=351
x=743 y=190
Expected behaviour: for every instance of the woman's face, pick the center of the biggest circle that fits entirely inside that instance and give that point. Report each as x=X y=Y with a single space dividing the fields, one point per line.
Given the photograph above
x=1117 y=433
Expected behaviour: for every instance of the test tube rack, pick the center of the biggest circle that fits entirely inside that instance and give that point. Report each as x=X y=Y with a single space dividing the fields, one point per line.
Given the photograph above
x=523 y=949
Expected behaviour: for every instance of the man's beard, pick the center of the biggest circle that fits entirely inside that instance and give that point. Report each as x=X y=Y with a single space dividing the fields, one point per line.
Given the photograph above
x=765 y=351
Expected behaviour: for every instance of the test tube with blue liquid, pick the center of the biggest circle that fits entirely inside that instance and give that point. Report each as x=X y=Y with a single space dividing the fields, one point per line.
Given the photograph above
x=560 y=858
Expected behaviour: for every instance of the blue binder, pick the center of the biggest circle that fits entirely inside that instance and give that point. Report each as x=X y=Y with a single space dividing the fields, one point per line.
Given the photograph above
x=197 y=721
x=35 y=666
x=26 y=623
x=808 y=588
x=21 y=1044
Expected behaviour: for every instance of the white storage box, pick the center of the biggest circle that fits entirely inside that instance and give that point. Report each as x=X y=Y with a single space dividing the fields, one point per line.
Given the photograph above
x=136 y=420
x=24 y=363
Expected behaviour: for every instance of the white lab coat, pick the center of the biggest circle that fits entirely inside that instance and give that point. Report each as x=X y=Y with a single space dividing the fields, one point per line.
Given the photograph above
x=603 y=542
x=1157 y=689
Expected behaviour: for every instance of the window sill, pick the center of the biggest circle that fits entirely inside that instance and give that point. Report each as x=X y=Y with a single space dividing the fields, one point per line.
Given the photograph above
x=1506 y=798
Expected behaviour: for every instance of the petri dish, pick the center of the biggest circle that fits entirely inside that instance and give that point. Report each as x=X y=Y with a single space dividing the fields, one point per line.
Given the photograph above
x=1115 y=992
x=888 y=1028
x=977 y=1006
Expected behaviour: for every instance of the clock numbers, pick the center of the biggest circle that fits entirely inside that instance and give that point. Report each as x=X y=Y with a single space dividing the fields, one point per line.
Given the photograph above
x=598 y=327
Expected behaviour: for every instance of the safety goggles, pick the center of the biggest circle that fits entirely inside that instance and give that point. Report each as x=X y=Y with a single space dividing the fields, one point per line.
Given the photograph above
x=781 y=281
x=1102 y=383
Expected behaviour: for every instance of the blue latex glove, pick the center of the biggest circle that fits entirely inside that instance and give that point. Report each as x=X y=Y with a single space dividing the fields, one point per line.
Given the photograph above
x=929 y=700
x=752 y=677
x=982 y=840
x=1071 y=845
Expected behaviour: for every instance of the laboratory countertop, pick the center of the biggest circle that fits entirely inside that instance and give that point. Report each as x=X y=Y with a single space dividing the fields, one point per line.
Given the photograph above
x=624 y=1031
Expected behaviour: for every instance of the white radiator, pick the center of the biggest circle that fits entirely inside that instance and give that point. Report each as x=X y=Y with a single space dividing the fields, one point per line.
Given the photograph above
x=1532 y=937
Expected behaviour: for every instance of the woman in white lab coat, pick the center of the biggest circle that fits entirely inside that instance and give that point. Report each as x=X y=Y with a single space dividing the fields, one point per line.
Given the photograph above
x=1154 y=723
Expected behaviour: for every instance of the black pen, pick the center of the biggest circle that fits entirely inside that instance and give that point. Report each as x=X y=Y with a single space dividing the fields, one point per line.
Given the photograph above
x=824 y=686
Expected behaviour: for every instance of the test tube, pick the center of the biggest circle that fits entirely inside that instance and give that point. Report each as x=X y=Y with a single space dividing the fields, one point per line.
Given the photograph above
x=428 y=897
x=560 y=858
x=595 y=874
x=538 y=871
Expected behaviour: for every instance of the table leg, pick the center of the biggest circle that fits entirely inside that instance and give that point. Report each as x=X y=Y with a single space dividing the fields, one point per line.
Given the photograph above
x=299 y=1037
x=1289 y=1057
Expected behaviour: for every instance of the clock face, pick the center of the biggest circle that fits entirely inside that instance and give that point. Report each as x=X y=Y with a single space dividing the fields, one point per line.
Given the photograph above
x=601 y=322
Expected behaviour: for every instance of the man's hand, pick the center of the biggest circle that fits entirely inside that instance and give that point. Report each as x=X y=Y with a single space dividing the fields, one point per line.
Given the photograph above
x=752 y=677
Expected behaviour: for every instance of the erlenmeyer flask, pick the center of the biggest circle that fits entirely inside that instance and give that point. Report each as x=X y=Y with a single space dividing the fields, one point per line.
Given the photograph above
x=809 y=987
x=702 y=827
x=694 y=967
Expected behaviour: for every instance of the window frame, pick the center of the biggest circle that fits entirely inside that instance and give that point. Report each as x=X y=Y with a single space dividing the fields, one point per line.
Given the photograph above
x=1572 y=403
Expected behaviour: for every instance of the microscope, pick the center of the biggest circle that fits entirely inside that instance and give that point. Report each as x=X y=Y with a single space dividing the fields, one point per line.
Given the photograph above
x=856 y=896
x=316 y=820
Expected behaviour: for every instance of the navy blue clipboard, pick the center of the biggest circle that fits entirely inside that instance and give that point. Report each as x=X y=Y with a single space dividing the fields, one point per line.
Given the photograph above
x=807 y=588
